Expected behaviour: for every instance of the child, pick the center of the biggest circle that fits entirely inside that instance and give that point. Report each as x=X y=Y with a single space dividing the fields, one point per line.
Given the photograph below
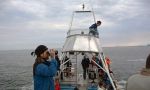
x=57 y=85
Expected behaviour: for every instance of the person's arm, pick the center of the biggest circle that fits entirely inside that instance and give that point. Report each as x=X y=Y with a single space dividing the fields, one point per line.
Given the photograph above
x=44 y=70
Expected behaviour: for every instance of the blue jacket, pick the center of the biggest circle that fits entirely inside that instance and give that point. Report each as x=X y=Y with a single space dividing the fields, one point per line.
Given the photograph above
x=93 y=26
x=44 y=73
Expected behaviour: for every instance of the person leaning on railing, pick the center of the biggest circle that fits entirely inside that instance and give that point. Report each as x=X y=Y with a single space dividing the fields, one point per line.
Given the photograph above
x=93 y=29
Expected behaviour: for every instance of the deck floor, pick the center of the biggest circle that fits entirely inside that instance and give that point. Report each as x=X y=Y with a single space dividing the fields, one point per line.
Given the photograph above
x=82 y=84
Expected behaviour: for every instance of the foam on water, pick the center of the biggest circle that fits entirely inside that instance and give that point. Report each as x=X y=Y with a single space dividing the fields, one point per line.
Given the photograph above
x=122 y=84
x=135 y=60
x=30 y=87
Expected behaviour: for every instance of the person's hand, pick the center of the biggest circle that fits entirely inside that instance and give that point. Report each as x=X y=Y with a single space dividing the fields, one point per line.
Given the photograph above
x=52 y=53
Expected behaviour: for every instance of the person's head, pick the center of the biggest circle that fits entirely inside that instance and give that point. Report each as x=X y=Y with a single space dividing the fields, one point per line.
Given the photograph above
x=100 y=84
x=148 y=62
x=56 y=52
x=42 y=52
x=98 y=23
x=66 y=58
x=56 y=80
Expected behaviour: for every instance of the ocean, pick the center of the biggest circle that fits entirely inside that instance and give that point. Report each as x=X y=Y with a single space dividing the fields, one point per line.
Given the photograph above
x=16 y=65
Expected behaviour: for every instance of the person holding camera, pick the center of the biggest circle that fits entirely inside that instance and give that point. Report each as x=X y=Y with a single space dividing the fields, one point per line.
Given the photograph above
x=44 y=69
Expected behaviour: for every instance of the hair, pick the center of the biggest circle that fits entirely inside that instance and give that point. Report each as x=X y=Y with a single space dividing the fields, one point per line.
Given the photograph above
x=99 y=22
x=38 y=60
x=148 y=62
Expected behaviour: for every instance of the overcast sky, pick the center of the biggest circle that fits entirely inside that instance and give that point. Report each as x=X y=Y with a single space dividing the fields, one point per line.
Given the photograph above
x=24 y=24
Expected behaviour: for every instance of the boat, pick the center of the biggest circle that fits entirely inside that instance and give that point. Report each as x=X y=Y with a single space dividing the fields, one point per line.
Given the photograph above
x=80 y=43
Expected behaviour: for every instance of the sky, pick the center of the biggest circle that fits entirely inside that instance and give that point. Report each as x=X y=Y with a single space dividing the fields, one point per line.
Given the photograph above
x=25 y=24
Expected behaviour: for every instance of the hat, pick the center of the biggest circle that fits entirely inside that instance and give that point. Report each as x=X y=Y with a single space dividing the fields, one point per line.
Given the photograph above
x=40 y=49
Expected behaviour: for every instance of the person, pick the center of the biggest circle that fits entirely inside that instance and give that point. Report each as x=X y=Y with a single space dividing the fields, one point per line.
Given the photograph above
x=140 y=81
x=96 y=59
x=85 y=65
x=58 y=60
x=106 y=78
x=68 y=66
x=76 y=88
x=44 y=70
x=108 y=62
x=57 y=85
x=93 y=28
x=100 y=86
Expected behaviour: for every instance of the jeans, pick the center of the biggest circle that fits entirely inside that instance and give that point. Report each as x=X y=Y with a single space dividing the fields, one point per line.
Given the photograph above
x=94 y=32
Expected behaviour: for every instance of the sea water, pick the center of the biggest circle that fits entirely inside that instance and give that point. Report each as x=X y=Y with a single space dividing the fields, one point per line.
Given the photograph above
x=16 y=65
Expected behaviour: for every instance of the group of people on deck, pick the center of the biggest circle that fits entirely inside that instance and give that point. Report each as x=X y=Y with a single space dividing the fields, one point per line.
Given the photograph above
x=89 y=67
x=47 y=64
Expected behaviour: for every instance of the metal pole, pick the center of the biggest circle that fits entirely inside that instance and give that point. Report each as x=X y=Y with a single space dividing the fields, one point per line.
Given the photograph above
x=107 y=71
x=76 y=71
x=99 y=66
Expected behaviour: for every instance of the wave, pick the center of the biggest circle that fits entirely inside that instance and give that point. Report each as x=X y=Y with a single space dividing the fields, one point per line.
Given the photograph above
x=30 y=87
x=122 y=84
x=133 y=60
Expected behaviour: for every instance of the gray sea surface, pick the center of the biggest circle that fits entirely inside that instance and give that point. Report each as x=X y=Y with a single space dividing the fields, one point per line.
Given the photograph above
x=16 y=65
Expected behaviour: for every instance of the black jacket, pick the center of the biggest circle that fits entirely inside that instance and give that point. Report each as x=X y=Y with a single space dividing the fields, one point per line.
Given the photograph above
x=85 y=62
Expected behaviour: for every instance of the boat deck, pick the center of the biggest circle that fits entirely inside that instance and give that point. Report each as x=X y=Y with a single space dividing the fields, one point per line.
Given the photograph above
x=70 y=82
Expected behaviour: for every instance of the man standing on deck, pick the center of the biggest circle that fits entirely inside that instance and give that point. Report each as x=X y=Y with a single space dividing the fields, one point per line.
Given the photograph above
x=85 y=65
x=93 y=29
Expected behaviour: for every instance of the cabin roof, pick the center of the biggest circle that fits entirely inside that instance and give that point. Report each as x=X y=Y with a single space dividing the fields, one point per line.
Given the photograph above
x=81 y=43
